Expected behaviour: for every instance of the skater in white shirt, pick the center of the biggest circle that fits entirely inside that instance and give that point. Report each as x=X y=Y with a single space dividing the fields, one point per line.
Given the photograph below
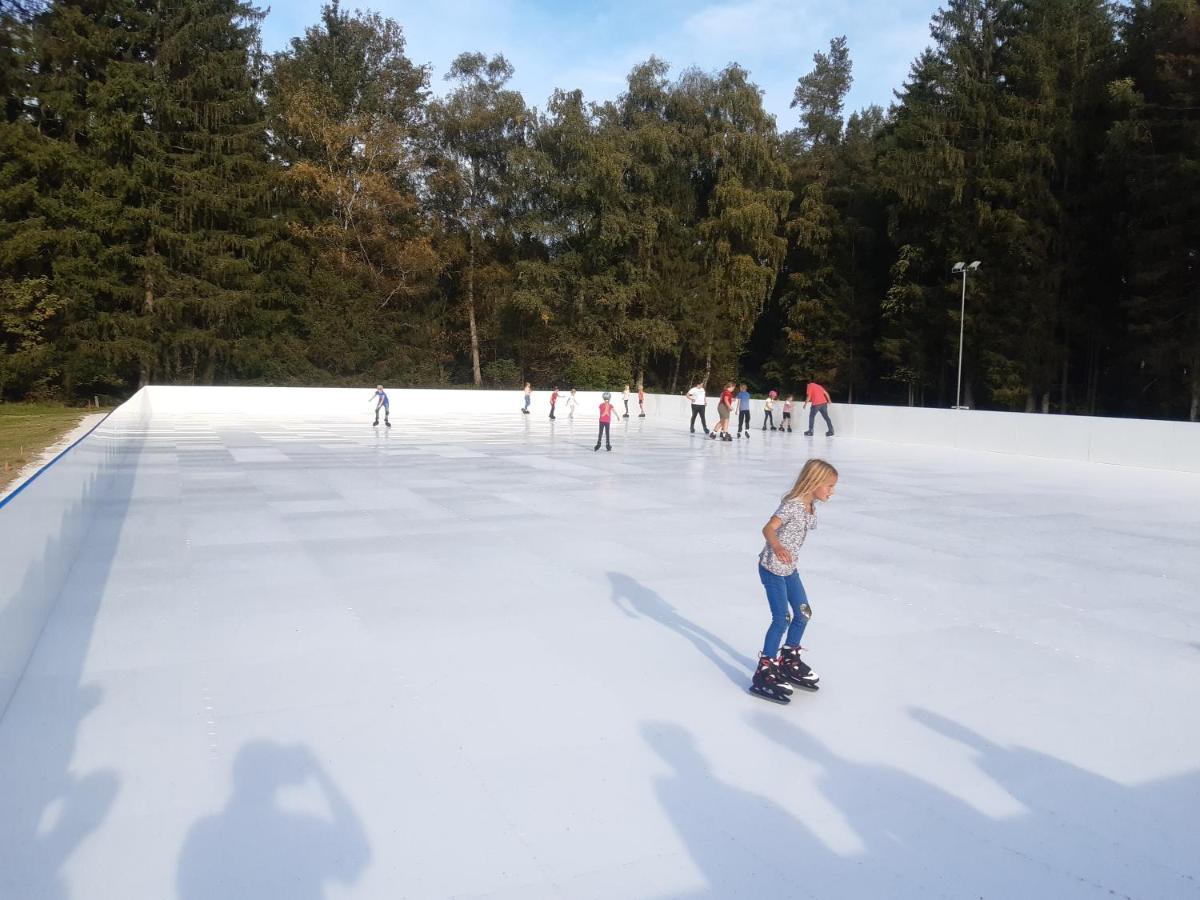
x=696 y=398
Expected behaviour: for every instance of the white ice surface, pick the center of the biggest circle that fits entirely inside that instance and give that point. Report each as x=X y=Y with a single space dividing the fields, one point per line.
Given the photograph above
x=476 y=659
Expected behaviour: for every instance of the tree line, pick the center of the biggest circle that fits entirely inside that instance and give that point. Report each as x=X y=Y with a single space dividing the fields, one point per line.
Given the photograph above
x=177 y=206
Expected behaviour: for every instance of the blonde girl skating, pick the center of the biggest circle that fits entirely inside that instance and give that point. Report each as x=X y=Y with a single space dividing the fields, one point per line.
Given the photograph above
x=779 y=667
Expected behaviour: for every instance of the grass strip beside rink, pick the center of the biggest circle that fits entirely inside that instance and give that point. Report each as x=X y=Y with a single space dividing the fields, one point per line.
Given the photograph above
x=26 y=430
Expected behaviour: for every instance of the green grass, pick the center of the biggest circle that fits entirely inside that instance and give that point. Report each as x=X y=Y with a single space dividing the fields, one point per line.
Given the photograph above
x=26 y=429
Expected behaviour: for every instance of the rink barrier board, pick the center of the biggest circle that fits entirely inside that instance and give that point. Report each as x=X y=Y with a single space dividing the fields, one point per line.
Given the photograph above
x=43 y=525
x=45 y=522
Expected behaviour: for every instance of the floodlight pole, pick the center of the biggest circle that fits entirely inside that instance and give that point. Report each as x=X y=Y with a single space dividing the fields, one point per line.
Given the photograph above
x=962 y=316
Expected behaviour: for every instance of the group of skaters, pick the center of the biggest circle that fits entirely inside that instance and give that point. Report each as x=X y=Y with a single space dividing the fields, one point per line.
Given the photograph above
x=572 y=402
x=816 y=398
x=607 y=410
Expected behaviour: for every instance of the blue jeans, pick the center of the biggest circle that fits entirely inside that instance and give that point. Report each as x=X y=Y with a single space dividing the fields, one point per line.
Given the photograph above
x=783 y=591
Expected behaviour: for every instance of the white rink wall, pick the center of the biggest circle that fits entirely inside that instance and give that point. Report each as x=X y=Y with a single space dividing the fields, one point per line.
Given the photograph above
x=44 y=523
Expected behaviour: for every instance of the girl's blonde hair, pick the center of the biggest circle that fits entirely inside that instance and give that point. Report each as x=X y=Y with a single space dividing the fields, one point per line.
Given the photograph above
x=815 y=473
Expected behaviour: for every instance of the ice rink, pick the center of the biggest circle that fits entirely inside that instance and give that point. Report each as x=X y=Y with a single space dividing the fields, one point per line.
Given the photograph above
x=470 y=657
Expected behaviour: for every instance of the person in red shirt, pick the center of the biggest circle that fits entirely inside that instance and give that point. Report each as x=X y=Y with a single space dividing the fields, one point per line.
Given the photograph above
x=606 y=414
x=819 y=398
x=553 y=400
x=724 y=406
x=641 y=402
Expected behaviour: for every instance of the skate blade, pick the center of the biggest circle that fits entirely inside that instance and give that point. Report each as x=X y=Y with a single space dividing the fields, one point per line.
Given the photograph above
x=782 y=701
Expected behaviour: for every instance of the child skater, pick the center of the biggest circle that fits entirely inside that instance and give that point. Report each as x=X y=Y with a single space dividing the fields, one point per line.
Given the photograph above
x=641 y=402
x=790 y=612
x=528 y=397
x=381 y=402
x=785 y=424
x=553 y=400
x=625 y=399
x=572 y=402
x=768 y=405
x=606 y=414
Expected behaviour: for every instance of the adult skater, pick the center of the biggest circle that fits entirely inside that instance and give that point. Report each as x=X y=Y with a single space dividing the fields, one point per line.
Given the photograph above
x=785 y=423
x=641 y=401
x=381 y=402
x=553 y=400
x=724 y=407
x=625 y=400
x=768 y=416
x=819 y=398
x=528 y=397
x=696 y=398
x=785 y=533
x=572 y=402
x=606 y=414
x=743 y=399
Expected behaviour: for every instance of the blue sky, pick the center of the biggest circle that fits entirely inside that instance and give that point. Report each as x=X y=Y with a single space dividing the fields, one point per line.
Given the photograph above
x=593 y=45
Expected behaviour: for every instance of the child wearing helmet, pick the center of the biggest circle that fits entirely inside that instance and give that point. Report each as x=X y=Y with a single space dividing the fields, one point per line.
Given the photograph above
x=768 y=415
x=606 y=414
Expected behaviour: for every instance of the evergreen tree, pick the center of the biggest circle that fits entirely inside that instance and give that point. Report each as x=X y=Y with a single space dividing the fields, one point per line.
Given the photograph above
x=1155 y=155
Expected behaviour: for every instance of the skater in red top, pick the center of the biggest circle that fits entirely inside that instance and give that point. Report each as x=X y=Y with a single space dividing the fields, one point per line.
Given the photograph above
x=553 y=400
x=606 y=414
x=819 y=398
x=641 y=402
x=724 y=407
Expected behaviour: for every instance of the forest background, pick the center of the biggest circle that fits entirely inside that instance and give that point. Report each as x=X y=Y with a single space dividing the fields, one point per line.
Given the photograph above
x=179 y=207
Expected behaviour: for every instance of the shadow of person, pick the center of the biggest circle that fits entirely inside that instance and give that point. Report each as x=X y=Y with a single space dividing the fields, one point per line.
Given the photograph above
x=1136 y=840
x=744 y=844
x=255 y=848
x=635 y=599
x=49 y=802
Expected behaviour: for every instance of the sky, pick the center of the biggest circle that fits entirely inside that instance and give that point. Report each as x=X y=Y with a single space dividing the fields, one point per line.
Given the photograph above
x=592 y=45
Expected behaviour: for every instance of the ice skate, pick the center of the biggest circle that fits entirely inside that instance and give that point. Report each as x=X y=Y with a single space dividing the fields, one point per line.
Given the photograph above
x=808 y=434
x=829 y=434
x=768 y=683
x=797 y=671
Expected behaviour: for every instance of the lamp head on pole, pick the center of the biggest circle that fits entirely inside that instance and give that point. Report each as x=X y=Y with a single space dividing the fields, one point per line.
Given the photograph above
x=973 y=266
x=958 y=267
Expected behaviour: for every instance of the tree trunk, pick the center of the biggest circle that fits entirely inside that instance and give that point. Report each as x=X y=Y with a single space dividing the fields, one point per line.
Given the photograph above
x=707 y=364
x=147 y=309
x=1045 y=402
x=471 y=310
x=1066 y=372
x=675 y=370
x=1093 y=377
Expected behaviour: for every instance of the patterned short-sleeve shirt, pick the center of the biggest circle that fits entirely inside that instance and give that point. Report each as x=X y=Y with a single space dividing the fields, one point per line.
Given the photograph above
x=797 y=522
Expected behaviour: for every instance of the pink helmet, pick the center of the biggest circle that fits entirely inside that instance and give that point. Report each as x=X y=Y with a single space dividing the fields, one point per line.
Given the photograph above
x=772 y=394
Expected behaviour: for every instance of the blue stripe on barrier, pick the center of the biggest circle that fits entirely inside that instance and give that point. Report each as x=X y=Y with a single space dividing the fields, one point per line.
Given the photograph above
x=34 y=477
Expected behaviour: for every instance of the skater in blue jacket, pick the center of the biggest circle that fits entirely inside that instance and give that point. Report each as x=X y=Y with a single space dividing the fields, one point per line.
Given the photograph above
x=381 y=402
